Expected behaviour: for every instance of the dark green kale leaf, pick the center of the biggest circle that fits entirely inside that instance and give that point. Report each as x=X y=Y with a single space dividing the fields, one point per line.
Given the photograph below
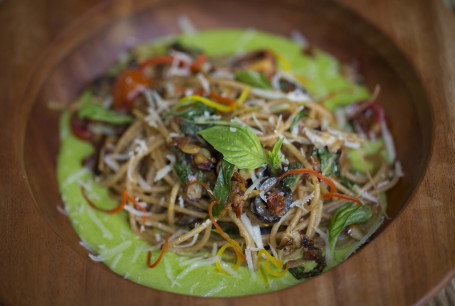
x=327 y=159
x=182 y=168
x=290 y=179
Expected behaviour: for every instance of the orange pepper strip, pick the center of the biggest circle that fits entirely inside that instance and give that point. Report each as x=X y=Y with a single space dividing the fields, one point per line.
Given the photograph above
x=198 y=62
x=221 y=232
x=183 y=90
x=165 y=59
x=332 y=192
x=315 y=173
x=149 y=254
x=144 y=218
x=119 y=208
x=239 y=178
x=342 y=196
x=225 y=100
x=108 y=211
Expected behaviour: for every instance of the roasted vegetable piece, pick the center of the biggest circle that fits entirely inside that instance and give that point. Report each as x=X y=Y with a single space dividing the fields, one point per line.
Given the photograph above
x=278 y=199
x=127 y=87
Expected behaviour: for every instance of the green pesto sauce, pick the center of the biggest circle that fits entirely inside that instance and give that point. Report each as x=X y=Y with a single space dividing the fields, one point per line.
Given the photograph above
x=110 y=235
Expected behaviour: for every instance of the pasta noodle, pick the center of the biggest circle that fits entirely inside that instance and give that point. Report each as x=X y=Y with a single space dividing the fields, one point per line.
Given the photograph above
x=164 y=158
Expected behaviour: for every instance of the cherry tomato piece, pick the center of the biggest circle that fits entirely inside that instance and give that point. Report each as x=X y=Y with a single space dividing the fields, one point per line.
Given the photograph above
x=127 y=86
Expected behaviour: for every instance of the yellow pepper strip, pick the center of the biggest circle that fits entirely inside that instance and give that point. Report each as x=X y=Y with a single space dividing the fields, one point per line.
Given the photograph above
x=220 y=253
x=283 y=61
x=243 y=96
x=302 y=80
x=264 y=277
x=220 y=107
x=276 y=262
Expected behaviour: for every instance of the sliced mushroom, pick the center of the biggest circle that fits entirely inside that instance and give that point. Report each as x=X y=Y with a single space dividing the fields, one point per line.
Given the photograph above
x=237 y=197
x=194 y=191
x=315 y=163
x=190 y=148
x=202 y=162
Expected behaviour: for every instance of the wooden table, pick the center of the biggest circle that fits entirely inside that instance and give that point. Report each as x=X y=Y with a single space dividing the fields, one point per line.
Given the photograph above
x=37 y=267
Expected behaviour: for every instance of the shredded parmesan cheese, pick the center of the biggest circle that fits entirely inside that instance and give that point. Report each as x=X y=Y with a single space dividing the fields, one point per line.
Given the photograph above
x=109 y=253
x=300 y=203
x=204 y=83
x=162 y=172
x=197 y=264
x=388 y=141
x=298 y=38
x=181 y=203
x=254 y=231
x=61 y=210
x=398 y=169
x=169 y=272
x=365 y=195
x=185 y=24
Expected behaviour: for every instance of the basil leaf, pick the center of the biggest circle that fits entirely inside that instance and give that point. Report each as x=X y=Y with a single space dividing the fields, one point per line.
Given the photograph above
x=95 y=111
x=253 y=78
x=327 y=159
x=346 y=215
x=290 y=179
x=182 y=169
x=275 y=159
x=239 y=146
x=222 y=186
x=297 y=118
x=277 y=147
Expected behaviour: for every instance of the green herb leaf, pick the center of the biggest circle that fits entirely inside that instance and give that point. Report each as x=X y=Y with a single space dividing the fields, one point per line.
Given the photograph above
x=239 y=146
x=182 y=169
x=327 y=159
x=274 y=158
x=253 y=78
x=289 y=180
x=297 y=118
x=95 y=111
x=191 y=111
x=222 y=186
x=347 y=214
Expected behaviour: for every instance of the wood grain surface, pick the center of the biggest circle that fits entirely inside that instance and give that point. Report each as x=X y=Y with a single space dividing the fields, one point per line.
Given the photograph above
x=417 y=249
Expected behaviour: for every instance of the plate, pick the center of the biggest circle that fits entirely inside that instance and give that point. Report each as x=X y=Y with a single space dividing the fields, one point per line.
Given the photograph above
x=90 y=46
